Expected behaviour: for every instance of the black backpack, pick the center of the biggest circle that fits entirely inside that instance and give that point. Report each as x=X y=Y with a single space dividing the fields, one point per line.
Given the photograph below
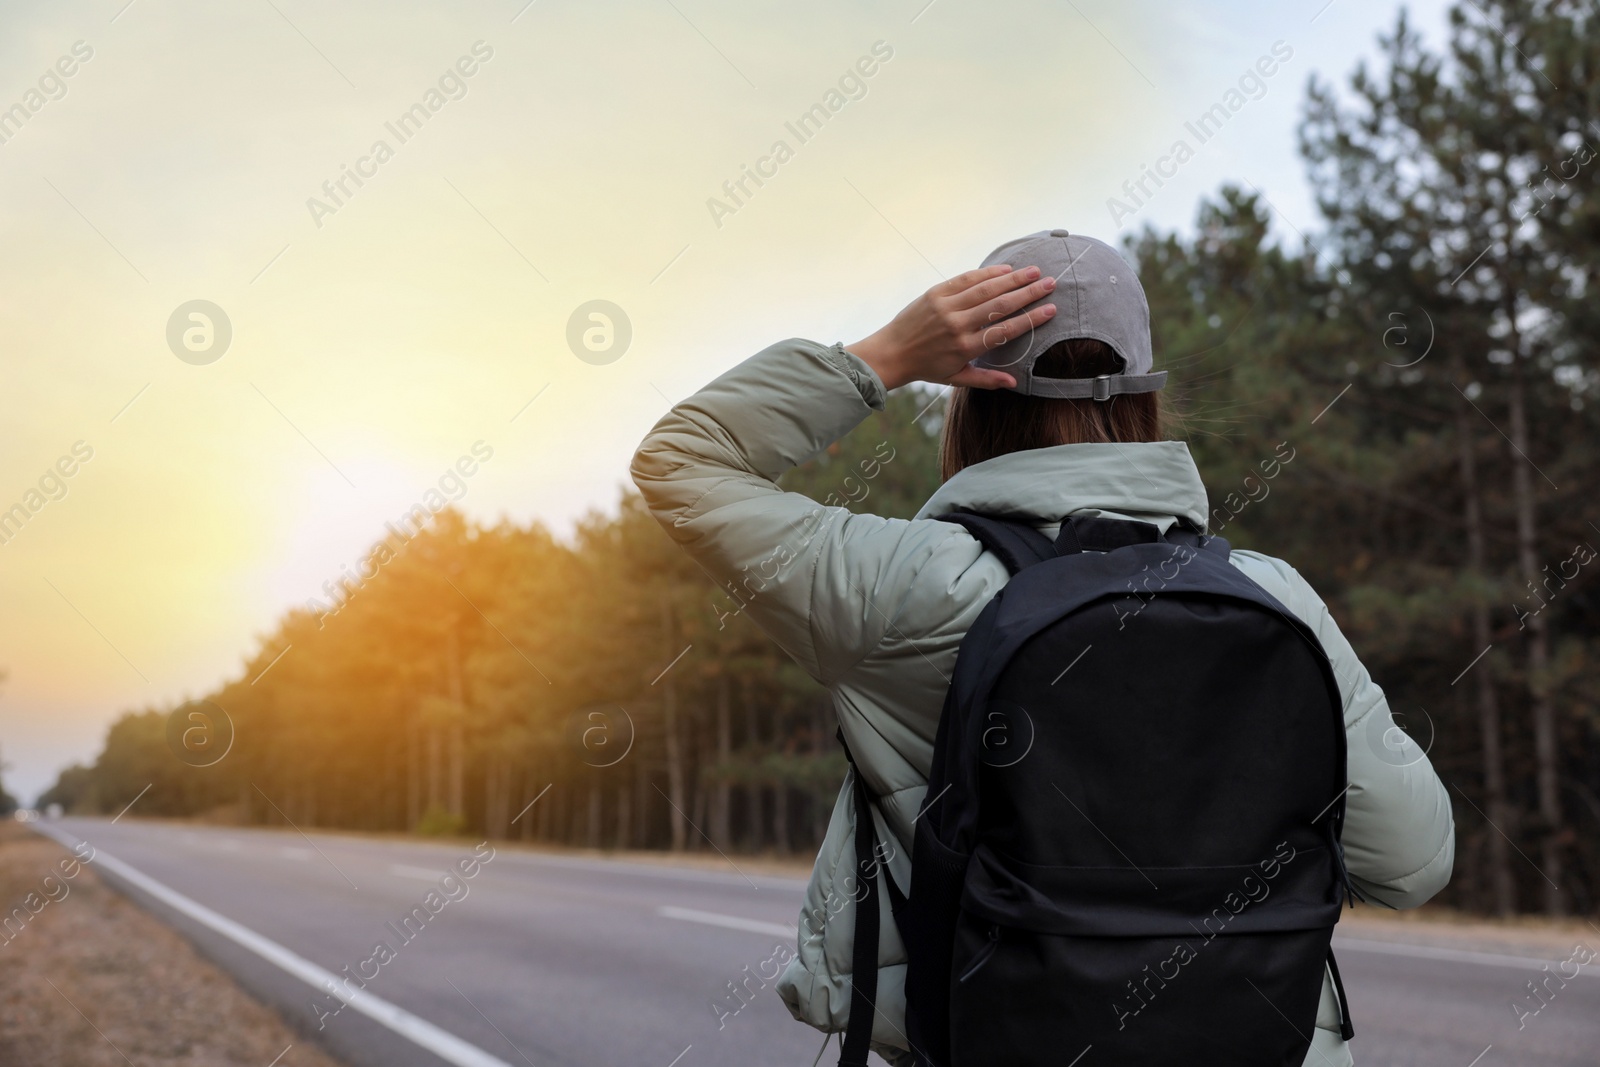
x=1129 y=852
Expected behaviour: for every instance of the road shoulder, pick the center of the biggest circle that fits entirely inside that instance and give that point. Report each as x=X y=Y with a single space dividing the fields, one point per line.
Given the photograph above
x=87 y=977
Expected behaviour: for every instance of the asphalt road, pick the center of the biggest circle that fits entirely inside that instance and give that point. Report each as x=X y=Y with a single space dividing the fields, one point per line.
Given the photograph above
x=554 y=961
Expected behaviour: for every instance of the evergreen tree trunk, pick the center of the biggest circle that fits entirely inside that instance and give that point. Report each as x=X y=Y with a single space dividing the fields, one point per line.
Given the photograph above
x=669 y=718
x=496 y=796
x=1494 y=771
x=502 y=797
x=641 y=816
x=780 y=818
x=529 y=791
x=458 y=701
x=413 y=771
x=702 y=798
x=624 y=813
x=458 y=805
x=489 y=801
x=721 y=803
x=1544 y=724
x=754 y=793
x=545 y=817
x=435 y=766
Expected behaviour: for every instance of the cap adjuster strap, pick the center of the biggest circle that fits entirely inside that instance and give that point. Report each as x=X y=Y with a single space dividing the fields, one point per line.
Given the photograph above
x=1100 y=387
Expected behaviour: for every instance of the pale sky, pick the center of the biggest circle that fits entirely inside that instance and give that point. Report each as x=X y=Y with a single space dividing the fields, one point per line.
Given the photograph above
x=378 y=337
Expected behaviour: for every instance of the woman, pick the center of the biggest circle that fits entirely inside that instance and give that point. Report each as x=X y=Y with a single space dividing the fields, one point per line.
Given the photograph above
x=1053 y=413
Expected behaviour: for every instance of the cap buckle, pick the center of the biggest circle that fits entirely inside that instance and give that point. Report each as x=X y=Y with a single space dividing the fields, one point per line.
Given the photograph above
x=1102 y=387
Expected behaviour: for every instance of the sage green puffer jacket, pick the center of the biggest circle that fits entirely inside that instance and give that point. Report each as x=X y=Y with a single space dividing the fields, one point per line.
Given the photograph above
x=875 y=609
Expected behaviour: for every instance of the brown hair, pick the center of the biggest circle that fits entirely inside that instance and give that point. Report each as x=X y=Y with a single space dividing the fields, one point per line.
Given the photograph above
x=981 y=424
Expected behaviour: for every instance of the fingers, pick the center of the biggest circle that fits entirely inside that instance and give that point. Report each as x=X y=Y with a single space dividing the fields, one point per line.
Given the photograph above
x=986 y=289
x=994 y=336
x=983 y=378
x=1003 y=305
x=963 y=282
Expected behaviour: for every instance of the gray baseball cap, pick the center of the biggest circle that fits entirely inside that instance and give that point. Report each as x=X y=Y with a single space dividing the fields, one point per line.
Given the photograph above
x=1097 y=295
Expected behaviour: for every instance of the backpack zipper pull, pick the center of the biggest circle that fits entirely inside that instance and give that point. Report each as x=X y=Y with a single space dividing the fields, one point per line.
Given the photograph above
x=983 y=954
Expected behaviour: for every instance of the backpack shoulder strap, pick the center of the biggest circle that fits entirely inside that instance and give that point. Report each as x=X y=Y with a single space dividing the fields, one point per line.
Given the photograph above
x=864 y=953
x=1018 y=545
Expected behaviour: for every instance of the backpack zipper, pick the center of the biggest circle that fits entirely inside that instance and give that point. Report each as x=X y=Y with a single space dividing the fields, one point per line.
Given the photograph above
x=983 y=954
x=1337 y=849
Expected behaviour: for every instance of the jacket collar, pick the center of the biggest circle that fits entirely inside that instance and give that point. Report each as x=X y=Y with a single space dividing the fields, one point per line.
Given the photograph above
x=1156 y=481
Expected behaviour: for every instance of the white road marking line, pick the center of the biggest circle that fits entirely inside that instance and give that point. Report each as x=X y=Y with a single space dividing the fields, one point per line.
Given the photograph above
x=422 y=873
x=419 y=1031
x=650 y=870
x=1428 y=952
x=536 y=860
x=727 y=922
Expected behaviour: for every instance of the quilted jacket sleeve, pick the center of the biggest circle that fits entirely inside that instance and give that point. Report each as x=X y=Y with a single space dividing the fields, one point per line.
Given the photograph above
x=824 y=583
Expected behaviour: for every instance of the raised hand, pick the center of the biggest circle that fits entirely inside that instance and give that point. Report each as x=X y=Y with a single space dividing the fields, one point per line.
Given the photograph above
x=938 y=335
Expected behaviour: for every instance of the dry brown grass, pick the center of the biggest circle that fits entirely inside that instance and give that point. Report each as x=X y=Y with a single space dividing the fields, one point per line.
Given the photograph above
x=94 y=981
x=1523 y=935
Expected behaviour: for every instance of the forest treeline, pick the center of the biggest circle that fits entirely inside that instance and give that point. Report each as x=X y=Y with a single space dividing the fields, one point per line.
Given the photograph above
x=1404 y=408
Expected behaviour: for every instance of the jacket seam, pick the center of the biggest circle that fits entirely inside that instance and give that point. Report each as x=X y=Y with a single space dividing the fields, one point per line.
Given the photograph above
x=689 y=512
x=839 y=357
x=1445 y=844
x=811 y=618
x=910 y=584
